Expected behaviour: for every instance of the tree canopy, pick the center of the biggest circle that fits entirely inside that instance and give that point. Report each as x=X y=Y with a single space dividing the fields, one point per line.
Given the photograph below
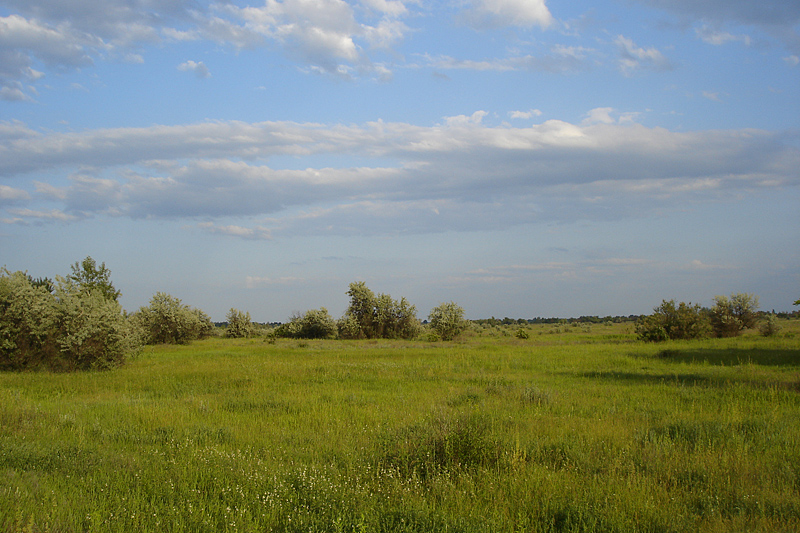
x=88 y=277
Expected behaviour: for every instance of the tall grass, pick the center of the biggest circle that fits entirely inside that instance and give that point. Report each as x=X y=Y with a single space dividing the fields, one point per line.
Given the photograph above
x=570 y=431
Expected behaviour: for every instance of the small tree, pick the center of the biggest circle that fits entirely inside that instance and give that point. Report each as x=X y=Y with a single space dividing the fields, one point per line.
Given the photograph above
x=730 y=316
x=239 y=324
x=88 y=277
x=770 y=326
x=668 y=321
x=447 y=319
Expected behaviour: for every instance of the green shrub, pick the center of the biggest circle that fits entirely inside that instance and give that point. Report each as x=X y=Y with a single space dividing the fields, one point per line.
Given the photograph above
x=313 y=324
x=370 y=317
x=76 y=328
x=27 y=322
x=730 y=316
x=168 y=321
x=239 y=324
x=93 y=332
x=686 y=321
x=770 y=326
x=447 y=320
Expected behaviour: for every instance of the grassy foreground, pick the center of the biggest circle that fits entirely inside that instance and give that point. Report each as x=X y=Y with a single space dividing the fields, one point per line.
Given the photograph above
x=565 y=431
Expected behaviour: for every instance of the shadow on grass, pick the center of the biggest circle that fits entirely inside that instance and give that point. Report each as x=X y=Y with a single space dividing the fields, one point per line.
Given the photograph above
x=733 y=356
x=714 y=357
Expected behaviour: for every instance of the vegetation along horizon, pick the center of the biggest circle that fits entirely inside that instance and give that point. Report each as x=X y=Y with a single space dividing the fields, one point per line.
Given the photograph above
x=158 y=420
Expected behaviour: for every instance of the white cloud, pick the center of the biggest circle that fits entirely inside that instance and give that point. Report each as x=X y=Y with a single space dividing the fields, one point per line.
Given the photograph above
x=633 y=58
x=199 y=69
x=258 y=233
x=323 y=34
x=713 y=96
x=394 y=8
x=459 y=175
x=23 y=41
x=495 y=13
x=792 y=61
x=10 y=194
x=719 y=37
x=560 y=60
x=599 y=115
x=525 y=114
x=41 y=215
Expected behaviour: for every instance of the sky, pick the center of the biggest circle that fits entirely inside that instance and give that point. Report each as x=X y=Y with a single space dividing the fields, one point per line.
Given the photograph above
x=522 y=158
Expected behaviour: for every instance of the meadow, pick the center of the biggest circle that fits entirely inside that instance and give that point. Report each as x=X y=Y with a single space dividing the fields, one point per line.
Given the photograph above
x=578 y=428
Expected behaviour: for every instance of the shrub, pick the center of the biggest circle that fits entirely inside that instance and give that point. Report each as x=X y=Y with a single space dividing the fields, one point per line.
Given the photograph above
x=730 y=316
x=239 y=324
x=313 y=324
x=168 y=321
x=27 y=322
x=447 y=320
x=75 y=328
x=369 y=316
x=522 y=334
x=770 y=326
x=686 y=321
x=92 y=331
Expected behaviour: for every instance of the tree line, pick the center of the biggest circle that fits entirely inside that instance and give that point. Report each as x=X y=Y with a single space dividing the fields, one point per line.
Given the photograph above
x=76 y=322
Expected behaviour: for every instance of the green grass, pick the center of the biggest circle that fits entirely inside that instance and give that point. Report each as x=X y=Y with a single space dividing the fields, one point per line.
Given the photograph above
x=584 y=429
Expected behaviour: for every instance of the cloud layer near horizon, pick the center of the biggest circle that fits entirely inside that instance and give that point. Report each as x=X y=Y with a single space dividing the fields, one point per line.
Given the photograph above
x=381 y=178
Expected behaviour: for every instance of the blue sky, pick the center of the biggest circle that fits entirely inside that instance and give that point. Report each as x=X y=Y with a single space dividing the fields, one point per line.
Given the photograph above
x=520 y=157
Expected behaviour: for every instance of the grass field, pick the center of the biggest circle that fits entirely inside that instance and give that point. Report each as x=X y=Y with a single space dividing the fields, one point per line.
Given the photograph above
x=572 y=429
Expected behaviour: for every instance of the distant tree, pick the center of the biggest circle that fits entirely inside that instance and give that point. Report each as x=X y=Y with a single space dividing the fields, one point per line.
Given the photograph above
x=313 y=324
x=447 y=319
x=168 y=321
x=668 y=321
x=730 y=316
x=239 y=324
x=797 y=302
x=88 y=277
x=370 y=316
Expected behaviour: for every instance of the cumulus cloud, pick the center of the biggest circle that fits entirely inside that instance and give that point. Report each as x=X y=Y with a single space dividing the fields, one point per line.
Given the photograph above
x=322 y=35
x=484 y=14
x=462 y=174
x=199 y=69
x=326 y=35
x=24 y=41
